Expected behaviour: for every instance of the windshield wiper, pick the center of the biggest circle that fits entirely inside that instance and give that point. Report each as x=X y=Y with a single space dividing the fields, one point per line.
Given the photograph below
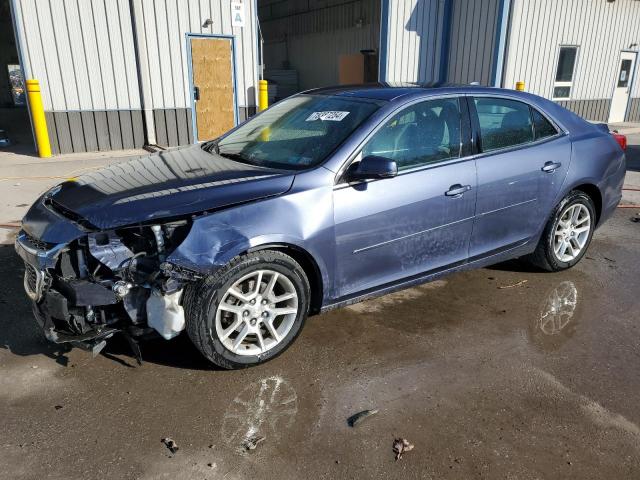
x=238 y=157
x=211 y=145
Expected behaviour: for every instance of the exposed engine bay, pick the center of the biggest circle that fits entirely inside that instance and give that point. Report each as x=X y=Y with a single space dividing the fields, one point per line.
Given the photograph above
x=106 y=283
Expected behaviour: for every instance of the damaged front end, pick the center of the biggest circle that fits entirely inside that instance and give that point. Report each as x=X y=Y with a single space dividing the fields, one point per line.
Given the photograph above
x=107 y=282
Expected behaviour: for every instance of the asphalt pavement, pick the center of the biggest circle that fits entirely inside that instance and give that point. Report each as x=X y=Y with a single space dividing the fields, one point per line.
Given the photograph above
x=504 y=372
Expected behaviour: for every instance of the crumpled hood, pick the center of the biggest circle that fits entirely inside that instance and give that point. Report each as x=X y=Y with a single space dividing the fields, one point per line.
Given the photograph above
x=168 y=184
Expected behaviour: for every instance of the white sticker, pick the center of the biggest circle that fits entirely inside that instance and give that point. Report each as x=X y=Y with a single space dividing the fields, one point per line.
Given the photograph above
x=331 y=116
x=237 y=13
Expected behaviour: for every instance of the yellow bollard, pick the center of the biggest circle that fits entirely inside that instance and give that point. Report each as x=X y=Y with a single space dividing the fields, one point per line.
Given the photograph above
x=38 y=120
x=520 y=86
x=263 y=96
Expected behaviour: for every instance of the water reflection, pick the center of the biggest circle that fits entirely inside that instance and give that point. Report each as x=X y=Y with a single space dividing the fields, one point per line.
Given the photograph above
x=265 y=408
x=557 y=317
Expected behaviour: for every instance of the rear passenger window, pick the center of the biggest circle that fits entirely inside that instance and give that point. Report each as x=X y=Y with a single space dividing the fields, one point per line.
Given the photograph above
x=424 y=133
x=542 y=126
x=503 y=123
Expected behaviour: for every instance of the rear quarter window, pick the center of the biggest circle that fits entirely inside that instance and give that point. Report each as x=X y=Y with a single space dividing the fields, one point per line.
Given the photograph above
x=542 y=127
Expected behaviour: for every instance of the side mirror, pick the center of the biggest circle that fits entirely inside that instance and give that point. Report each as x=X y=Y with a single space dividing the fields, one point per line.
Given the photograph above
x=372 y=167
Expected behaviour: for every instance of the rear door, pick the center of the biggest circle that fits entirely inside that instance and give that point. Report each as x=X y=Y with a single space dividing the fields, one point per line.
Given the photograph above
x=522 y=162
x=418 y=221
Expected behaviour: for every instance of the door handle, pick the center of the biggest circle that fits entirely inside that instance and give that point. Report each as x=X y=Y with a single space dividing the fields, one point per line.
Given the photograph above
x=196 y=93
x=550 y=167
x=457 y=190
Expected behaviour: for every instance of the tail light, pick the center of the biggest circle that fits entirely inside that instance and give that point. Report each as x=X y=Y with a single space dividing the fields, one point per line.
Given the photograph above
x=621 y=139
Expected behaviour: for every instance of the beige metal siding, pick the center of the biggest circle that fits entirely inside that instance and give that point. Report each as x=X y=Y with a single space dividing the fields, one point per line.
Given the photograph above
x=81 y=51
x=414 y=40
x=167 y=22
x=600 y=29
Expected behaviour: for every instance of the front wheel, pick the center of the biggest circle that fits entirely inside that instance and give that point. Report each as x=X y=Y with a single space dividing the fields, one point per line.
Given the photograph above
x=567 y=234
x=250 y=311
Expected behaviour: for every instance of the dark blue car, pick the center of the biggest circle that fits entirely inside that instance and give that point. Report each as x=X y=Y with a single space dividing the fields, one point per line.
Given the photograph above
x=325 y=199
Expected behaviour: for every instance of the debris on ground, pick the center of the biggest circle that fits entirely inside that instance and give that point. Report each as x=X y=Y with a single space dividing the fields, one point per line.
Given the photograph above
x=400 y=446
x=355 y=419
x=519 y=284
x=212 y=465
x=252 y=442
x=609 y=259
x=171 y=445
x=58 y=407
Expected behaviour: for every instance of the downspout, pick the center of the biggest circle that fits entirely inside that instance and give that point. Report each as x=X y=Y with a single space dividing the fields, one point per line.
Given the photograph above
x=500 y=47
x=142 y=63
x=384 y=41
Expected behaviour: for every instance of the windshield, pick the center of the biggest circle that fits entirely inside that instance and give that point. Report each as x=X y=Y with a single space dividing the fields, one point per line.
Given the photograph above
x=297 y=133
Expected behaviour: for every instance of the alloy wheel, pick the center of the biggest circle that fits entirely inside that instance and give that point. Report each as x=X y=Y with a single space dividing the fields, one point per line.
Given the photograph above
x=257 y=312
x=572 y=232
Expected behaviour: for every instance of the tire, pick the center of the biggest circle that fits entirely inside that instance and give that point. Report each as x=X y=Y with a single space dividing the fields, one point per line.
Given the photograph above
x=208 y=324
x=545 y=256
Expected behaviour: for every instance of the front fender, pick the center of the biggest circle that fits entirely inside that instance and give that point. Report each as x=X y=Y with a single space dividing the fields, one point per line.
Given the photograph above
x=302 y=219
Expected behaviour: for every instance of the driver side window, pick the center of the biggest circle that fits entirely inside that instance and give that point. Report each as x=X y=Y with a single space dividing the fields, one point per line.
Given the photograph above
x=424 y=133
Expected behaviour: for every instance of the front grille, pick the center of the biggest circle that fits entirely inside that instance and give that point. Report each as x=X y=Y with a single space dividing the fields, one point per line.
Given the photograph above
x=35 y=243
x=34 y=282
x=30 y=278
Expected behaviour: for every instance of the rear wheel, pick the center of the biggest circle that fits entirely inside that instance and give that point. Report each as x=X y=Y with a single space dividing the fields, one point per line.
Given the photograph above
x=567 y=234
x=250 y=311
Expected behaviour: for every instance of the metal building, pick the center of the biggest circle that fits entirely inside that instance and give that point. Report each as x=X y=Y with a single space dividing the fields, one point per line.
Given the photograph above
x=581 y=53
x=123 y=73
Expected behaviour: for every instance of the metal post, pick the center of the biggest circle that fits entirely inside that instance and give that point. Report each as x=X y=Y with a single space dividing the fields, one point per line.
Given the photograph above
x=263 y=95
x=520 y=86
x=38 y=119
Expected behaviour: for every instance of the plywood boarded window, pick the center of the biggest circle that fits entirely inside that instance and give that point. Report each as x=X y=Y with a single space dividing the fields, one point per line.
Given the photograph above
x=212 y=67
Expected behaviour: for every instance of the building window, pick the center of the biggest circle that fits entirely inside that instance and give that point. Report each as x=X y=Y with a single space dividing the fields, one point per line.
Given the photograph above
x=564 y=73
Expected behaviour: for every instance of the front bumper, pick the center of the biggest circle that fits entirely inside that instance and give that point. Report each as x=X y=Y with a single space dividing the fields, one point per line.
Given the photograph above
x=56 y=308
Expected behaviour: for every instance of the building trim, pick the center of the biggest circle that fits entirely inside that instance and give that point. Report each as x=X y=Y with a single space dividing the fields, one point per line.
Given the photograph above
x=384 y=40
x=446 y=40
x=502 y=29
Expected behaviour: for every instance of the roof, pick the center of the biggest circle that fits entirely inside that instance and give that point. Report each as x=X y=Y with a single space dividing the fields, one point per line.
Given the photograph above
x=385 y=91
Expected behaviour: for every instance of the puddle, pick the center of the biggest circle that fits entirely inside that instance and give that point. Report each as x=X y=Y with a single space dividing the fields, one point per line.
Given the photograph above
x=557 y=319
x=266 y=408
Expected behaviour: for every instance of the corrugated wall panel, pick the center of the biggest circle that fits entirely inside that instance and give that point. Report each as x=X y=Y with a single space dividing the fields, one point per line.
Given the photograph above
x=600 y=29
x=472 y=41
x=167 y=22
x=415 y=40
x=81 y=51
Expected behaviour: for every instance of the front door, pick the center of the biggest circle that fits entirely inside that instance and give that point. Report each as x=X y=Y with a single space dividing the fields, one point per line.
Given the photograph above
x=212 y=79
x=623 y=87
x=418 y=221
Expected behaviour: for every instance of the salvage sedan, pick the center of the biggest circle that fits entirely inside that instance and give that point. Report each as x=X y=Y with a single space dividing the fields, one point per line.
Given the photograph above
x=327 y=198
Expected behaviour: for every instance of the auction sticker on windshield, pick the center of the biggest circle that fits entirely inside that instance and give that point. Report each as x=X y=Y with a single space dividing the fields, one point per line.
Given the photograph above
x=332 y=116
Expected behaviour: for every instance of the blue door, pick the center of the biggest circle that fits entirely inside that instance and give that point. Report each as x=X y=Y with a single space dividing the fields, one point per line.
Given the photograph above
x=418 y=221
x=521 y=166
